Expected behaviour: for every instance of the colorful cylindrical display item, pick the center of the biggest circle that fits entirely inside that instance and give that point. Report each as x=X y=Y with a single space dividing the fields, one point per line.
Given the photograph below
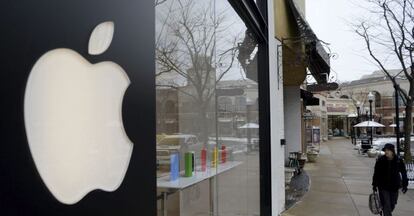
x=203 y=159
x=214 y=158
x=223 y=154
x=174 y=166
x=188 y=164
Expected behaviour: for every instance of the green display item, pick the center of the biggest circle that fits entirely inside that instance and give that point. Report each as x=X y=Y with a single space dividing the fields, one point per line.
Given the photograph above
x=188 y=164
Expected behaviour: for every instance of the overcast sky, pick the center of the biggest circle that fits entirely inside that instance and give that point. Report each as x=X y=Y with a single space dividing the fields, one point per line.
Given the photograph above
x=330 y=21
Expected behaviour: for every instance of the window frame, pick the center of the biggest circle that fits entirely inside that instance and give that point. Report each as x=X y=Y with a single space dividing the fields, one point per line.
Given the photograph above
x=254 y=15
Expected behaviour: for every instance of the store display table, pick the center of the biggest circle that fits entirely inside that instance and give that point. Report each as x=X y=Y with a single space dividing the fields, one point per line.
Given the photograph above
x=184 y=182
x=167 y=187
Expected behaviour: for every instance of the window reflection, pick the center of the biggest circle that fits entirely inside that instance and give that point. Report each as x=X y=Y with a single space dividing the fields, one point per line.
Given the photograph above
x=207 y=110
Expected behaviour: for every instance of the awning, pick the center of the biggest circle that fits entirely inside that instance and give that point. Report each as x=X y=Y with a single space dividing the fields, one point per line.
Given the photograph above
x=352 y=115
x=369 y=124
x=308 y=99
x=319 y=59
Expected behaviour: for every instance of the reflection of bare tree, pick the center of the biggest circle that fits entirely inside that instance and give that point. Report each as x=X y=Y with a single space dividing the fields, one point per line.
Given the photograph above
x=192 y=45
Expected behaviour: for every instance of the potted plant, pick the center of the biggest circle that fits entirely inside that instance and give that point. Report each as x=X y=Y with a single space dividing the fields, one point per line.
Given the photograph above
x=372 y=153
x=312 y=156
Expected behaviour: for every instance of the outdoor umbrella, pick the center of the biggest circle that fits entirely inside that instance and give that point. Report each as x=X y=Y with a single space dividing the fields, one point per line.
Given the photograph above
x=250 y=125
x=369 y=124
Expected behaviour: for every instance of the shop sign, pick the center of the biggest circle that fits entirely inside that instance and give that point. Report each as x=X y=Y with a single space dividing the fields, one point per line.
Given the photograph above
x=322 y=87
x=308 y=116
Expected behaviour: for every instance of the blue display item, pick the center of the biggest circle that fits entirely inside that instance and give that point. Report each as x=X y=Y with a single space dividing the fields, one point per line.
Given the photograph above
x=174 y=166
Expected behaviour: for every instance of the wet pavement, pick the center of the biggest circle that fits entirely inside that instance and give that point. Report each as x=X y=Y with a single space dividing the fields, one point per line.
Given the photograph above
x=341 y=183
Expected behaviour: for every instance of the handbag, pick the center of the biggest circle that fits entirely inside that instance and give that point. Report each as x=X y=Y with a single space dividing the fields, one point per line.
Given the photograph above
x=375 y=203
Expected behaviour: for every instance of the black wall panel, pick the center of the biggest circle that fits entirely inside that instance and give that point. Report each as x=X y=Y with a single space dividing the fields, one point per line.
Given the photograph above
x=30 y=28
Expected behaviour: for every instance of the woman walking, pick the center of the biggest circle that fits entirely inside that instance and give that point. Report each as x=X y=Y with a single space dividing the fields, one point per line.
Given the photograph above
x=389 y=176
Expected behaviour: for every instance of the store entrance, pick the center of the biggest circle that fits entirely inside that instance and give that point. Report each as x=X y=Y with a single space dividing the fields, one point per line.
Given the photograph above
x=337 y=126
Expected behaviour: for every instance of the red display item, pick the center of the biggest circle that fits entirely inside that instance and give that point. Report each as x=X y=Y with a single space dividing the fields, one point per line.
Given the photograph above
x=223 y=154
x=203 y=160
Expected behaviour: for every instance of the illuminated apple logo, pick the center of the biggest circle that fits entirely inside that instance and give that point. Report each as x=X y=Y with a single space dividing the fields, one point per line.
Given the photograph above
x=73 y=120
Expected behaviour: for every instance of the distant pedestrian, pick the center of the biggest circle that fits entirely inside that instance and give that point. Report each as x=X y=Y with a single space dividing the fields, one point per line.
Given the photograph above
x=389 y=176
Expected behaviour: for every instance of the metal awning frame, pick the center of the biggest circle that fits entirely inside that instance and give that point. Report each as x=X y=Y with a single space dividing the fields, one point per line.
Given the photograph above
x=318 y=59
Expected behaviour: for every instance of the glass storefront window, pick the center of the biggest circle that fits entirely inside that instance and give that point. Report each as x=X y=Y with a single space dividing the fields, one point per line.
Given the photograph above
x=207 y=110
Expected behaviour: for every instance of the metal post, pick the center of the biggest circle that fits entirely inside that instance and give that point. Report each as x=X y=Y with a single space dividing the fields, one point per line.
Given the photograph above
x=249 y=134
x=370 y=117
x=358 y=119
x=397 y=117
x=370 y=111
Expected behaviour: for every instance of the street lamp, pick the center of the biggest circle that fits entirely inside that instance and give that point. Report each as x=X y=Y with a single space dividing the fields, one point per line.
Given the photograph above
x=371 y=98
x=403 y=117
x=397 y=118
x=358 y=106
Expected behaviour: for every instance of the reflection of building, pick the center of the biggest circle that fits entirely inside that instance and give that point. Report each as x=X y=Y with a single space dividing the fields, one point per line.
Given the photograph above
x=239 y=99
x=167 y=111
x=237 y=106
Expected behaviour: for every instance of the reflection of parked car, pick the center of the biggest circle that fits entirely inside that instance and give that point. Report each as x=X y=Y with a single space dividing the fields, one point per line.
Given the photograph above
x=180 y=143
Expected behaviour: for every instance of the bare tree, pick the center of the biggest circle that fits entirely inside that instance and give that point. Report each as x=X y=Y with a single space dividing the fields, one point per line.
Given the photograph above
x=194 y=47
x=358 y=98
x=389 y=38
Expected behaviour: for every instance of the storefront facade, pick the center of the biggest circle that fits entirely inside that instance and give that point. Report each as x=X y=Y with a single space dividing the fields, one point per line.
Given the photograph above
x=212 y=57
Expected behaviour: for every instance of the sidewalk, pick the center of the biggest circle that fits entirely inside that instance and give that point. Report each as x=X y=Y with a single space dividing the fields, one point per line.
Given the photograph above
x=341 y=183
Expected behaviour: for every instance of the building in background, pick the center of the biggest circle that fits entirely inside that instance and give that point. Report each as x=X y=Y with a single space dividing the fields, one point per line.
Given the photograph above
x=317 y=116
x=384 y=103
x=340 y=116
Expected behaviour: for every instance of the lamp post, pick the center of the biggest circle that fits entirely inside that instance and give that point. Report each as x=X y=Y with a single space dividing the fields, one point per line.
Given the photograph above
x=358 y=104
x=403 y=128
x=397 y=118
x=371 y=98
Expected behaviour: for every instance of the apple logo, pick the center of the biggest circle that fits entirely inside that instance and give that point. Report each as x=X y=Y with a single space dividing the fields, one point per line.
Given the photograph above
x=73 y=120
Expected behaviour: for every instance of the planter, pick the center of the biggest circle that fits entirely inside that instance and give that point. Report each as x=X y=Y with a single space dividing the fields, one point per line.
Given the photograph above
x=372 y=153
x=312 y=156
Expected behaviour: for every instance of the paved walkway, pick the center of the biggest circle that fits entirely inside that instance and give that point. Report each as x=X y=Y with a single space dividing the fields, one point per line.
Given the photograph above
x=341 y=184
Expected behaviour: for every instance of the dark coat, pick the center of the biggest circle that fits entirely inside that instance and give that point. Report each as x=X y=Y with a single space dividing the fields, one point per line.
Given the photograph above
x=390 y=174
